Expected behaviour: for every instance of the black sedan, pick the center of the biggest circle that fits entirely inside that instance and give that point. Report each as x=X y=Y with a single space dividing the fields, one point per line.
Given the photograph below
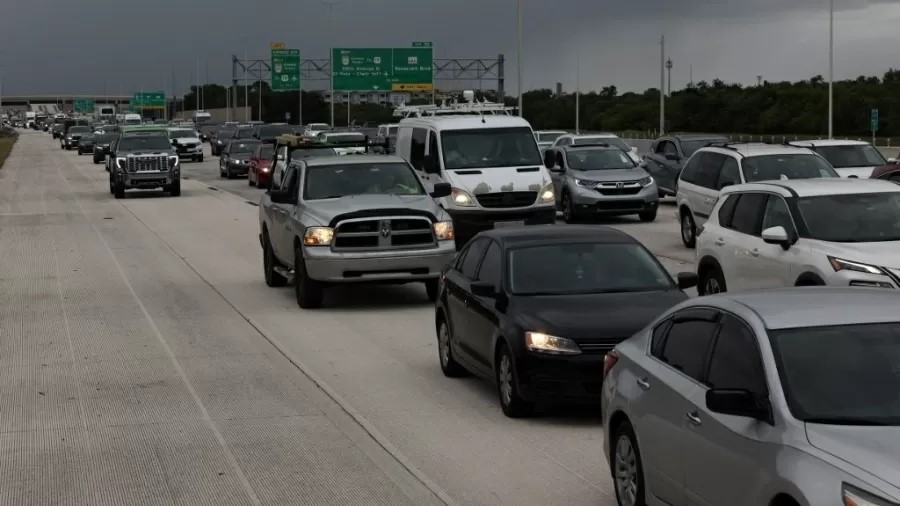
x=235 y=159
x=101 y=145
x=220 y=139
x=86 y=143
x=535 y=309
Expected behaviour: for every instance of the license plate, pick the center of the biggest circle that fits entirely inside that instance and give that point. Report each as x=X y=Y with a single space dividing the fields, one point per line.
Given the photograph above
x=504 y=224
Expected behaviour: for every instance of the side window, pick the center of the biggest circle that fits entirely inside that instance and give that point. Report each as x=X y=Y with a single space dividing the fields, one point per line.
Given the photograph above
x=729 y=174
x=689 y=173
x=549 y=158
x=708 y=173
x=660 y=147
x=433 y=148
x=659 y=333
x=417 y=148
x=726 y=212
x=559 y=160
x=289 y=179
x=473 y=256
x=491 y=266
x=748 y=213
x=777 y=214
x=736 y=362
x=686 y=346
x=670 y=149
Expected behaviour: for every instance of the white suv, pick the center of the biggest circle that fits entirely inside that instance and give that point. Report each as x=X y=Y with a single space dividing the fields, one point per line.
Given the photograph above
x=850 y=158
x=840 y=232
x=717 y=166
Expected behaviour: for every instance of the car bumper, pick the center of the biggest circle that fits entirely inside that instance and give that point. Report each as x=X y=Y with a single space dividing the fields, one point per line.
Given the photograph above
x=238 y=169
x=190 y=152
x=322 y=264
x=587 y=200
x=263 y=177
x=471 y=222
x=149 y=180
x=563 y=378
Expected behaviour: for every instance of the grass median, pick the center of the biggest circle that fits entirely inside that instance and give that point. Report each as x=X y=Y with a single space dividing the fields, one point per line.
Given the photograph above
x=6 y=144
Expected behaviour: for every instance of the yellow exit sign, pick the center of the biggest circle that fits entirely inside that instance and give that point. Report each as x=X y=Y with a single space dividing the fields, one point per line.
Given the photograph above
x=276 y=45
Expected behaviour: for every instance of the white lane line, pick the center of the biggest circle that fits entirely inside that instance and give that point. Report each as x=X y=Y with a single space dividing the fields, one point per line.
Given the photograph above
x=245 y=483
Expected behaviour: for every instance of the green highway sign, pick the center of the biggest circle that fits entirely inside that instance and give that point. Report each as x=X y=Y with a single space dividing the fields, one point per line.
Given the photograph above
x=285 y=69
x=874 y=120
x=397 y=69
x=422 y=44
x=148 y=100
x=83 y=105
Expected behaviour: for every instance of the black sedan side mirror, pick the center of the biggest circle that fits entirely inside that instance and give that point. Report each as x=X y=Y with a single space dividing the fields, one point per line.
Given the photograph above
x=441 y=190
x=483 y=289
x=687 y=280
x=739 y=403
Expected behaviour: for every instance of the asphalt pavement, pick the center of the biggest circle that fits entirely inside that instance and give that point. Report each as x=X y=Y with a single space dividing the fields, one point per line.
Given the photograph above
x=145 y=361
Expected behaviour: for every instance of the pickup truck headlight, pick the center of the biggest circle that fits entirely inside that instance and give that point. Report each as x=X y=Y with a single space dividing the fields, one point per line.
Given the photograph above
x=461 y=198
x=443 y=230
x=545 y=343
x=120 y=163
x=547 y=196
x=318 y=236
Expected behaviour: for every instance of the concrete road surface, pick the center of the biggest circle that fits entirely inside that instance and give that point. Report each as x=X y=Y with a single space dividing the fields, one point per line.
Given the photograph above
x=143 y=360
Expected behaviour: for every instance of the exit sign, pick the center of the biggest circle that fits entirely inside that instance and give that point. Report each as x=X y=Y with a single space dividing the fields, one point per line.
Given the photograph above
x=421 y=44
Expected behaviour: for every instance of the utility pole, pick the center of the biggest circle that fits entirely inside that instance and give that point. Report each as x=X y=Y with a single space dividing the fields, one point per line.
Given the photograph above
x=831 y=71
x=203 y=90
x=662 y=85
x=759 y=80
x=519 y=55
x=691 y=76
x=246 y=88
x=259 y=93
x=669 y=66
x=331 y=4
x=197 y=89
x=577 y=94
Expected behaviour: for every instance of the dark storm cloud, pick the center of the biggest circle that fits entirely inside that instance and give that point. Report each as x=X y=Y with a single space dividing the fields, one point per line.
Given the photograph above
x=57 y=46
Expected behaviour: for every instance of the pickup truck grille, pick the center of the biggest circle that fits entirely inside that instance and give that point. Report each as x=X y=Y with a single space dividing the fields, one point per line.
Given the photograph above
x=147 y=163
x=507 y=199
x=384 y=233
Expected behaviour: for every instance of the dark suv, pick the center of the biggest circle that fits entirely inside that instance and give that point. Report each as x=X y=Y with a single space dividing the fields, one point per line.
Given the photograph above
x=668 y=155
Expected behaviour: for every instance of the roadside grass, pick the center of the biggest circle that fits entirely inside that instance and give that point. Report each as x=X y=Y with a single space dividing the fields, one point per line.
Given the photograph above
x=6 y=144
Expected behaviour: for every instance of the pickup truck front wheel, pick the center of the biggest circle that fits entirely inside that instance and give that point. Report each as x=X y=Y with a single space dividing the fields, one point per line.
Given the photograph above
x=309 y=291
x=273 y=279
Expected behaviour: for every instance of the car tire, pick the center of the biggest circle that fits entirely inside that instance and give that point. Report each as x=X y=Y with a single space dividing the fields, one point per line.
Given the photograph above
x=712 y=281
x=228 y=174
x=308 y=291
x=570 y=215
x=119 y=189
x=511 y=401
x=449 y=366
x=431 y=289
x=627 y=467
x=273 y=279
x=688 y=229
x=648 y=216
x=175 y=188
x=96 y=161
x=200 y=159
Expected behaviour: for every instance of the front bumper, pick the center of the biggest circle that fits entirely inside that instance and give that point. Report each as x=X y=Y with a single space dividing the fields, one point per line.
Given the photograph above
x=238 y=169
x=588 y=200
x=560 y=378
x=194 y=151
x=149 y=179
x=263 y=176
x=322 y=264
x=469 y=223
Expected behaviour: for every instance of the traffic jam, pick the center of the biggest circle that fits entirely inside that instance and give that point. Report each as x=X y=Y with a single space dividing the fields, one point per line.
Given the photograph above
x=776 y=382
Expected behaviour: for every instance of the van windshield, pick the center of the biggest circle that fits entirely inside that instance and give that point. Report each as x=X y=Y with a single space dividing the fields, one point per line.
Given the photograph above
x=489 y=147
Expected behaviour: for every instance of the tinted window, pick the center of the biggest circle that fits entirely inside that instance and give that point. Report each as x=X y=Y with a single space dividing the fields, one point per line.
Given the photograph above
x=866 y=217
x=670 y=149
x=433 y=146
x=491 y=266
x=735 y=361
x=708 y=172
x=659 y=333
x=470 y=262
x=747 y=213
x=726 y=212
x=417 y=148
x=689 y=147
x=862 y=155
x=729 y=174
x=775 y=167
x=599 y=159
x=686 y=346
x=691 y=169
x=777 y=214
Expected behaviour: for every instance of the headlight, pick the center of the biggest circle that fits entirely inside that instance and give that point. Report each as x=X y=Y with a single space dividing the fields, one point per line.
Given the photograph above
x=443 y=230
x=846 y=265
x=318 y=236
x=853 y=496
x=461 y=198
x=587 y=183
x=645 y=182
x=547 y=196
x=120 y=163
x=173 y=161
x=545 y=343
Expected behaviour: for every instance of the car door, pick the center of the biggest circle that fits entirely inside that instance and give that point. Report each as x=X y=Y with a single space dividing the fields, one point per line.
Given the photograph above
x=728 y=454
x=745 y=240
x=658 y=165
x=659 y=411
x=484 y=316
x=769 y=265
x=283 y=240
x=459 y=297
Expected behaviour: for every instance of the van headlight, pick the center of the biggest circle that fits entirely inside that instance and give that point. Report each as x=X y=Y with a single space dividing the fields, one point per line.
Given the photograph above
x=318 y=236
x=547 y=196
x=461 y=198
x=443 y=230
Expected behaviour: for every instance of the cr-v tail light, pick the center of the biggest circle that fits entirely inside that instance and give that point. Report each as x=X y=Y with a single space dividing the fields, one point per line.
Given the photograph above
x=609 y=361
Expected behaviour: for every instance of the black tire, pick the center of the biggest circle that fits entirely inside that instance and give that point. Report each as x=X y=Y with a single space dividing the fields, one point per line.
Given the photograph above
x=627 y=467
x=688 y=230
x=228 y=173
x=200 y=159
x=96 y=161
x=431 y=288
x=308 y=291
x=511 y=401
x=273 y=279
x=449 y=366
x=119 y=190
x=648 y=216
x=570 y=214
x=174 y=189
x=712 y=281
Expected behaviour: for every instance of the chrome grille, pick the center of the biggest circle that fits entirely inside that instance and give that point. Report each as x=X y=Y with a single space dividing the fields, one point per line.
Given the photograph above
x=599 y=346
x=619 y=188
x=146 y=163
x=383 y=233
x=507 y=199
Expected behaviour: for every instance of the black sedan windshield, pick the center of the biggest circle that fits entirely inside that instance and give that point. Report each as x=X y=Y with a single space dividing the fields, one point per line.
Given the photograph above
x=333 y=181
x=853 y=378
x=144 y=143
x=599 y=159
x=775 y=167
x=866 y=217
x=844 y=157
x=585 y=268
x=244 y=133
x=489 y=147
x=242 y=147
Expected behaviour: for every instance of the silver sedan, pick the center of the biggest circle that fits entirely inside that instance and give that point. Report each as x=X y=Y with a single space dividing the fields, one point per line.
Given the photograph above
x=778 y=397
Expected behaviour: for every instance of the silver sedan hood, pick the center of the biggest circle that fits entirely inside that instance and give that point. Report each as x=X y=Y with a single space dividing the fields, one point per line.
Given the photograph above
x=874 y=450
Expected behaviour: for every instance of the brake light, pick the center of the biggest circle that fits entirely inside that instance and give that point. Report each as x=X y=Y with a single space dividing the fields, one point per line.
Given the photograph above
x=609 y=360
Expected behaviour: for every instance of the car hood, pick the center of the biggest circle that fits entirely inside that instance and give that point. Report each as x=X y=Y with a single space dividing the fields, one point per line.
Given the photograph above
x=880 y=254
x=596 y=316
x=611 y=175
x=860 y=172
x=875 y=450
x=478 y=181
x=145 y=153
x=325 y=211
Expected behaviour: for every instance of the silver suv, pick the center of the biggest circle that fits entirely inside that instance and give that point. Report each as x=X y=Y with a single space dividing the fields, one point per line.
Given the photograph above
x=352 y=219
x=600 y=179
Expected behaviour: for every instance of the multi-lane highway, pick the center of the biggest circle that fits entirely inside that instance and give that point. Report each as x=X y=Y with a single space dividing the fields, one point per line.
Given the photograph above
x=145 y=361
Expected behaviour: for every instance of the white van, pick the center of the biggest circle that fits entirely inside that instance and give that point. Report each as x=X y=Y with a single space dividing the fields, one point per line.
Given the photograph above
x=202 y=117
x=493 y=164
x=132 y=119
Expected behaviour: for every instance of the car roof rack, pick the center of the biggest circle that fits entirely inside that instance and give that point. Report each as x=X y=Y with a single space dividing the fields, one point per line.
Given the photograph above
x=468 y=107
x=590 y=145
x=295 y=142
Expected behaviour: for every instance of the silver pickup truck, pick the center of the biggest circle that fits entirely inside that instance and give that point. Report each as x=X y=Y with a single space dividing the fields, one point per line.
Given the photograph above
x=352 y=219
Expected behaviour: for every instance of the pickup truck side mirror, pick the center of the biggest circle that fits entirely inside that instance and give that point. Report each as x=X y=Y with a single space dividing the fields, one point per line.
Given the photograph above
x=441 y=190
x=280 y=196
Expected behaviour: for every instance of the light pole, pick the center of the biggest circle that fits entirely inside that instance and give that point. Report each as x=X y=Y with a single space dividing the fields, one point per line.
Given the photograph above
x=831 y=71
x=669 y=66
x=662 y=85
x=577 y=93
x=331 y=4
x=246 y=88
x=519 y=53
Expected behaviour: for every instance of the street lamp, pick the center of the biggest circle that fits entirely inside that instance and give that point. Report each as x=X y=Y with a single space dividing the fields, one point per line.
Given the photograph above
x=331 y=4
x=669 y=66
x=831 y=71
x=519 y=53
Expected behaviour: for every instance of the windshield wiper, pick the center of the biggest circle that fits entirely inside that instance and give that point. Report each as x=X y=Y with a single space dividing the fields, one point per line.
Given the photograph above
x=848 y=421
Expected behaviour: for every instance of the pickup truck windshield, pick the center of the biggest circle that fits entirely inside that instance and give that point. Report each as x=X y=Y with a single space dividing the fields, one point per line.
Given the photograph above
x=335 y=181
x=489 y=147
x=144 y=143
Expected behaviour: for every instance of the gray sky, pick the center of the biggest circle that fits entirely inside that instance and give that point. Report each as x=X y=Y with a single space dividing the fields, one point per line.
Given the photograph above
x=82 y=46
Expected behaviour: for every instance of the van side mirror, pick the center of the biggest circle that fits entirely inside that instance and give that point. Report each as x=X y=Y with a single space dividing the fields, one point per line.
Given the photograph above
x=739 y=403
x=281 y=196
x=430 y=164
x=441 y=190
x=556 y=168
x=279 y=157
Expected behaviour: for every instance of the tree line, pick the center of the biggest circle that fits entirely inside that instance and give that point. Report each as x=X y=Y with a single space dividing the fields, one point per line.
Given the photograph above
x=777 y=108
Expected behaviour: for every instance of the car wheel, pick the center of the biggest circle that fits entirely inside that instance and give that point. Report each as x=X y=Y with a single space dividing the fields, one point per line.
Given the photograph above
x=273 y=279
x=119 y=189
x=449 y=366
x=175 y=189
x=627 y=468
x=712 y=281
x=513 y=405
x=688 y=229
x=96 y=161
x=568 y=209
x=648 y=216
x=431 y=288
x=200 y=159
x=308 y=291
x=228 y=174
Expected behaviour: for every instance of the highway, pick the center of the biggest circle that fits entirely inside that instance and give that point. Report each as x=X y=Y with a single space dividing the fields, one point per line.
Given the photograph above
x=146 y=362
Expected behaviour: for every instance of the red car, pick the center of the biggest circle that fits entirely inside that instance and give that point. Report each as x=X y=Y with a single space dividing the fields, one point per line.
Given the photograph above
x=260 y=171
